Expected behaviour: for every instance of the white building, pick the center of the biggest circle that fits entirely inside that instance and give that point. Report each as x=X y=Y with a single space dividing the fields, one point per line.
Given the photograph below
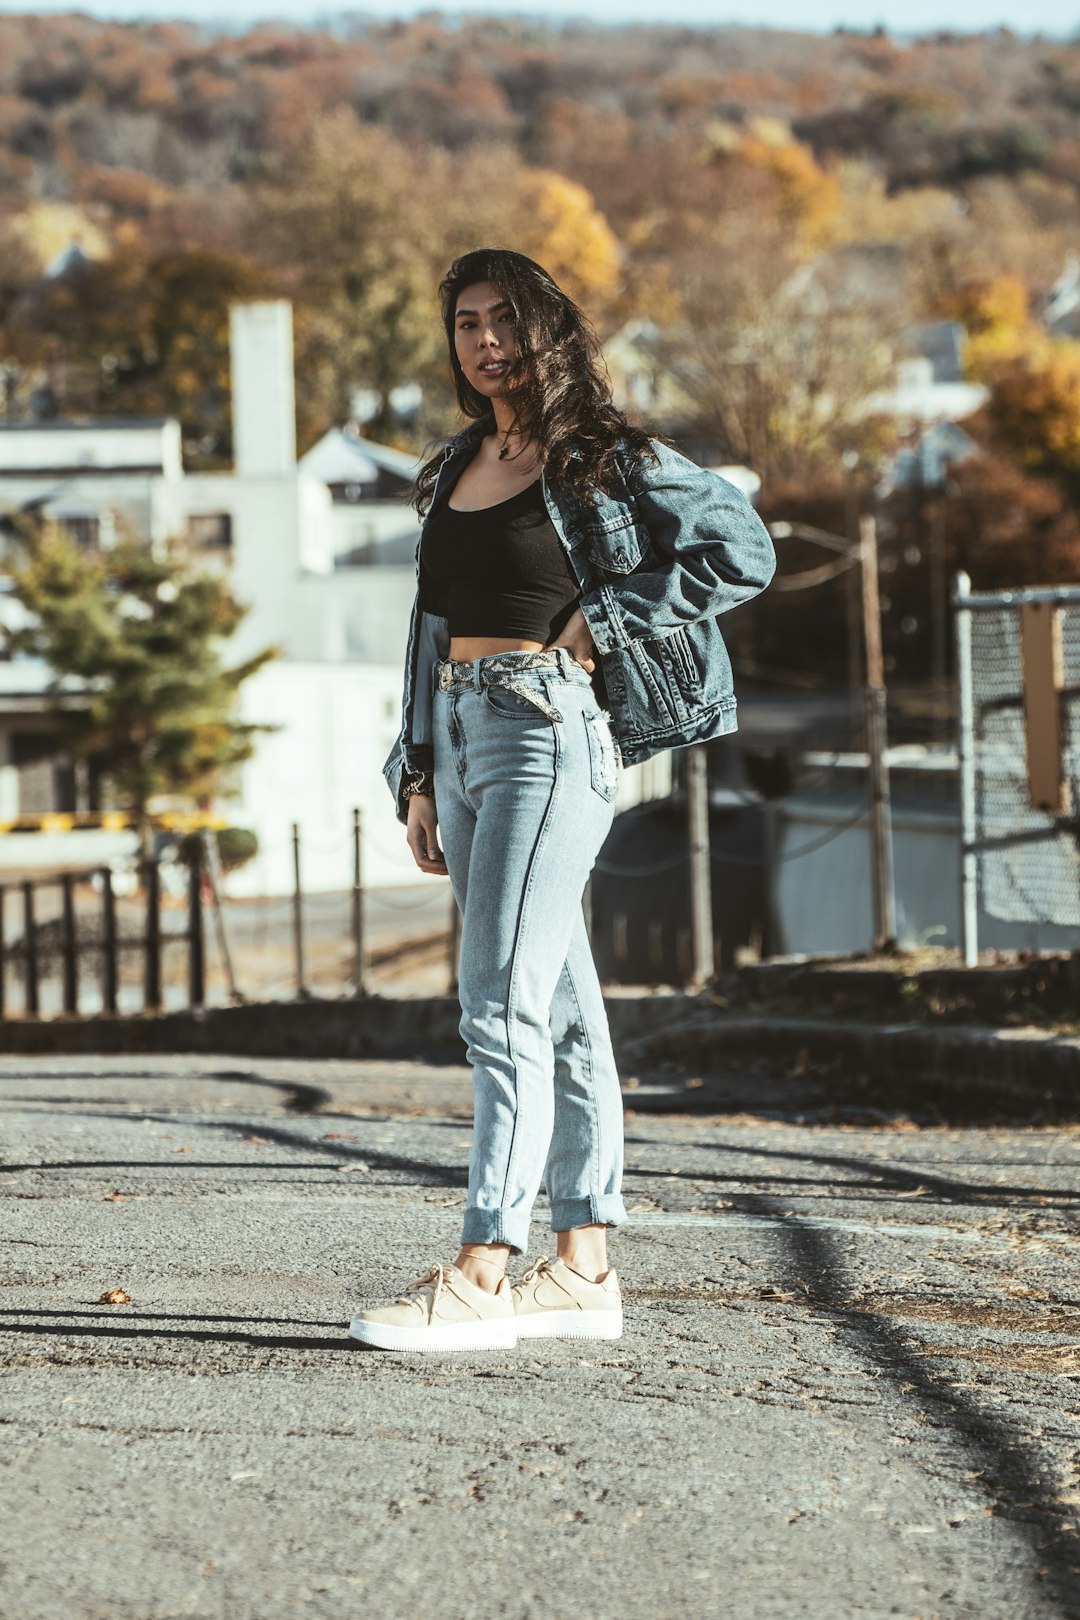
x=276 y=526
x=322 y=549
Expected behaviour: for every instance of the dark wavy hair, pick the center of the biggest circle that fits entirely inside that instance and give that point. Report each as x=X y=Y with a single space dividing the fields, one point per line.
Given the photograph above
x=559 y=389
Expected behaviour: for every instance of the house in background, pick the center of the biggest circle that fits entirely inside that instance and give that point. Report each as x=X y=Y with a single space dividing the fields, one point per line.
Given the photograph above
x=644 y=381
x=370 y=488
x=928 y=379
x=923 y=464
x=1061 y=309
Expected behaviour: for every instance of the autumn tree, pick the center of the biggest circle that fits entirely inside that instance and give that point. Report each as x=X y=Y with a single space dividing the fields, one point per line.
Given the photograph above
x=1032 y=417
x=1033 y=414
x=1008 y=527
x=148 y=334
x=776 y=379
x=557 y=222
x=350 y=227
x=806 y=196
x=361 y=230
x=995 y=312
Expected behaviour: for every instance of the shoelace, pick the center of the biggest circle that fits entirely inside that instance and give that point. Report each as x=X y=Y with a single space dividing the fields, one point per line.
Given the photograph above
x=543 y=1264
x=434 y=1282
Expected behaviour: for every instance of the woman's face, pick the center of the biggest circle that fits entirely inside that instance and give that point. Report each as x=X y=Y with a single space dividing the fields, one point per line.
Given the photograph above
x=484 y=339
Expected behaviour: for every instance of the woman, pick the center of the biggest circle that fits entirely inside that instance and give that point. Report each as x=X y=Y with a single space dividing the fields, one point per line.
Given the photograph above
x=570 y=572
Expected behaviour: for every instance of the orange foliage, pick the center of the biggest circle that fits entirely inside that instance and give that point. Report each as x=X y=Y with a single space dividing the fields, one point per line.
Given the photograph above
x=808 y=195
x=996 y=314
x=746 y=88
x=683 y=93
x=1008 y=528
x=1034 y=409
x=292 y=100
x=564 y=231
x=127 y=193
x=810 y=93
x=210 y=87
x=155 y=89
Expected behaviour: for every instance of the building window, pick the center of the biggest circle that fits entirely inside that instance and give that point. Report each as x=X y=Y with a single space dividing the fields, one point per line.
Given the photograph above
x=85 y=531
x=46 y=778
x=211 y=531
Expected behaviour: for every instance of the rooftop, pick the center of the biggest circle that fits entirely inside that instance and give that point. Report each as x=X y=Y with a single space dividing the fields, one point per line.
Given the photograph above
x=87 y=424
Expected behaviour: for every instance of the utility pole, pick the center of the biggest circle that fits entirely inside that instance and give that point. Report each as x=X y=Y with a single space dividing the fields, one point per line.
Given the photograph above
x=965 y=748
x=939 y=621
x=359 y=987
x=212 y=857
x=298 y=916
x=881 y=848
x=701 y=921
x=852 y=604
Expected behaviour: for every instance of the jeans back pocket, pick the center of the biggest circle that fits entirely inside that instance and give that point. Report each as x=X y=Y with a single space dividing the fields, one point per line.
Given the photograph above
x=603 y=766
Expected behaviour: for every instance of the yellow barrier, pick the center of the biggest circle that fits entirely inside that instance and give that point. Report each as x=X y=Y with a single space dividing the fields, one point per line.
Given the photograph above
x=62 y=821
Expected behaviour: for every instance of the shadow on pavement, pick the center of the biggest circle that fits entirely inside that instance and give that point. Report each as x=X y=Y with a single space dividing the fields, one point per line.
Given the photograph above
x=879 y=1177
x=1014 y=1484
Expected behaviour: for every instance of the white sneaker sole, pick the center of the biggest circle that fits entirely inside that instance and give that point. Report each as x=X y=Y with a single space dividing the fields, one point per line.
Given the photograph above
x=501 y=1335
x=570 y=1325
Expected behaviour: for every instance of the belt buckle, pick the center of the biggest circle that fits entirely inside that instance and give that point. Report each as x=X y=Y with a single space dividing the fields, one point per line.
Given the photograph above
x=446 y=675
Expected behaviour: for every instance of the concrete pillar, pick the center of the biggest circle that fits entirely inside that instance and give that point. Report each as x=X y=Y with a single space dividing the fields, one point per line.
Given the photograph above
x=263 y=399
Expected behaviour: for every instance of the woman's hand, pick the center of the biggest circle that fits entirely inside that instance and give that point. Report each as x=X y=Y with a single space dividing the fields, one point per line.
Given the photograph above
x=575 y=637
x=422 y=835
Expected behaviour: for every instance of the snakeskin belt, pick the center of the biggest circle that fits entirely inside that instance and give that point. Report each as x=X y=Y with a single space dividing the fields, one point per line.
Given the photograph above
x=499 y=670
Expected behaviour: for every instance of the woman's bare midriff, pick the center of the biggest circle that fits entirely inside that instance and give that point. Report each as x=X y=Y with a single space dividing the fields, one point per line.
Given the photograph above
x=469 y=647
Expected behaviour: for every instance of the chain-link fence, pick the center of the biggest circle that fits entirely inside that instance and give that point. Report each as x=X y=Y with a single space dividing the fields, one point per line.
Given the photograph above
x=1018 y=668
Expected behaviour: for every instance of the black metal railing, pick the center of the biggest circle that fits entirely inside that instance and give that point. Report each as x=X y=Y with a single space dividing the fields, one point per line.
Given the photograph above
x=57 y=947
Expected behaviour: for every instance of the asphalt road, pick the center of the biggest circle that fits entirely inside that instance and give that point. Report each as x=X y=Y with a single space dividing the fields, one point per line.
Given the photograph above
x=848 y=1383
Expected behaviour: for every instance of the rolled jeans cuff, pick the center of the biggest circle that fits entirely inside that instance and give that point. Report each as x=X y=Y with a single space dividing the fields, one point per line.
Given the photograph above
x=606 y=1210
x=496 y=1226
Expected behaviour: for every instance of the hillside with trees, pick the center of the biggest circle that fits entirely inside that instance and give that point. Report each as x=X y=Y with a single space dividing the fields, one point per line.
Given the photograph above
x=778 y=206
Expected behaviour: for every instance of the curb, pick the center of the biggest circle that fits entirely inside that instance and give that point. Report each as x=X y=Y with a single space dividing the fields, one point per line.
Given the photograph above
x=368 y=1027
x=1027 y=1063
x=681 y=1030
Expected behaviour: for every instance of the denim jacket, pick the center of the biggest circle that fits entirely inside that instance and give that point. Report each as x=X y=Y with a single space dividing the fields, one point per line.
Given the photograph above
x=657 y=562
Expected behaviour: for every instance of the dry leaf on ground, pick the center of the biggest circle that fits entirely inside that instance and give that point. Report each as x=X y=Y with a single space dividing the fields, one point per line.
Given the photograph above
x=115 y=1296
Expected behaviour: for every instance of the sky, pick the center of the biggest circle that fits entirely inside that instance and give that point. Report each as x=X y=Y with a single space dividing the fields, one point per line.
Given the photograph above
x=1053 y=17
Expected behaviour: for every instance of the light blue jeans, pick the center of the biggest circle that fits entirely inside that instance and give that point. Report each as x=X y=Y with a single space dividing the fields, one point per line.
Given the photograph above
x=525 y=781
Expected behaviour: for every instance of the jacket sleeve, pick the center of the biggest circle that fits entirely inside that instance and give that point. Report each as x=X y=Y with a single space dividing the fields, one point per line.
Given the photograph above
x=428 y=640
x=715 y=551
x=393 y=769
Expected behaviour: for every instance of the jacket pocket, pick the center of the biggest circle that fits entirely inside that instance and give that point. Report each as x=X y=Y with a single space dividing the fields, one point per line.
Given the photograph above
x=651 y=704
x=618 y=548
x=664 y=683
x=680 y=658
x=694 y=668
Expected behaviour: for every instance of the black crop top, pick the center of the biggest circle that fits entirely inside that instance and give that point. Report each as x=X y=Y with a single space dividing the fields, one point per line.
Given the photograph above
x=501 y=571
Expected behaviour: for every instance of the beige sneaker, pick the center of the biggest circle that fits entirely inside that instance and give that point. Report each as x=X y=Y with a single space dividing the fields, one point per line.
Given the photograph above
x=442 y=1311
x=553 y=1302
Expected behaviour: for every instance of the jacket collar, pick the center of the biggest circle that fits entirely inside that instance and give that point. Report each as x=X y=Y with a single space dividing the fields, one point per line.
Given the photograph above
x=468 y=437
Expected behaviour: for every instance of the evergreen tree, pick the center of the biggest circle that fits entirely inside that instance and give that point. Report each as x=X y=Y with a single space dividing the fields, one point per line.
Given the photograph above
x=139 y=632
